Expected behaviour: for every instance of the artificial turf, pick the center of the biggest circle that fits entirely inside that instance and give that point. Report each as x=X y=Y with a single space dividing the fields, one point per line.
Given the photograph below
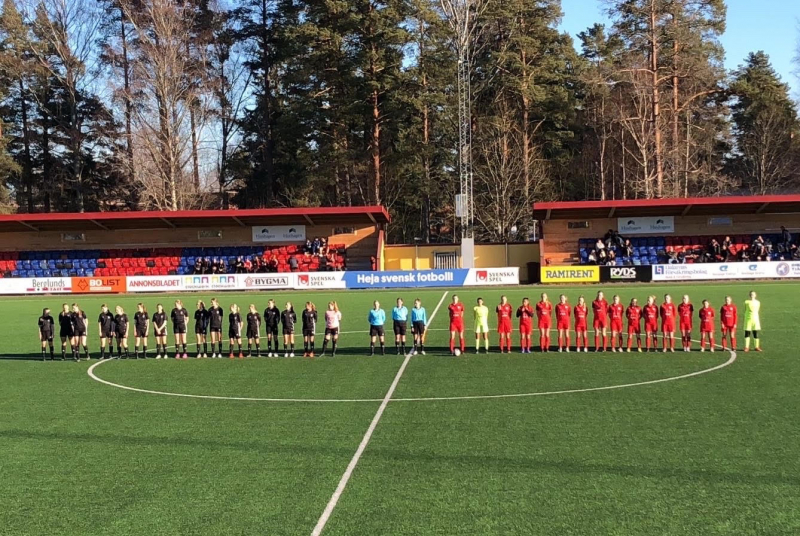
x=712 y=454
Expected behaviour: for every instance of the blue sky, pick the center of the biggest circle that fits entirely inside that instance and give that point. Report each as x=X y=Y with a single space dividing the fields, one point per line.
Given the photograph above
x=769 y=25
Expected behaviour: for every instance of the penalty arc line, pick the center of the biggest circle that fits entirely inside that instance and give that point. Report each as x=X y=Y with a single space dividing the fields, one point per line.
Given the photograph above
x=326 y=514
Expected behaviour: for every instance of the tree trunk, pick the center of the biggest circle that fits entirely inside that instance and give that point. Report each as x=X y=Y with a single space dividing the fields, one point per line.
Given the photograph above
x=675 y=146
x=267 y=143
x=656 y=104
x=46 y=172
x=27 y=165
x=425 y=219
x=128 y=101
x=193 y=126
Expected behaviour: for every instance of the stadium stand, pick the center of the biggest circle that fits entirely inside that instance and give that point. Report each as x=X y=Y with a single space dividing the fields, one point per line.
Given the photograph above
x=171 y=243
x=165 y=261
x=657 y=249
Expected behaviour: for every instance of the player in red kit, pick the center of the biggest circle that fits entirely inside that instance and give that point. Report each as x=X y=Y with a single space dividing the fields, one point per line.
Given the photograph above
x=600 y=311
x=685 y=316
x=706 y=326
x=544 y=316
x=456 y=310
x=728 y=317
x=581 y=325
x=525 y=314
x=617 y=312
x=634 y=316
x=504 y=328
x=668 y=314
x=563 y=310
x=650 y=313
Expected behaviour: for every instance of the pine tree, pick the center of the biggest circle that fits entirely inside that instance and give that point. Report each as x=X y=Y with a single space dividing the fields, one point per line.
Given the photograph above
x=766 y=128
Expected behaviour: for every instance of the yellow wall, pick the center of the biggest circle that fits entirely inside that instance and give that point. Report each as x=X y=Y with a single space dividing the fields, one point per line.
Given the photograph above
x=402 y=257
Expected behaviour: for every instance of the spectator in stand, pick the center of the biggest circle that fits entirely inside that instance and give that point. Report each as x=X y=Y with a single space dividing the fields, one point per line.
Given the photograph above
x=627 y=248
x=600 y=245
x=323 y=263
x=786 y=239
x=293 y=264
x=727 y=249
x=308 y=246
x=206 y=265
x=609 y=238
x=713 y=251
x=592 y=258
x=238 y=266
x=273 y=263
x=602 y=256
x=611 y=261
x=215 y=266
x=248 y=266
x=672 y=257
x=619 y=240
x=198 y=266
x=315 y=245
x=758 y=249
x=256 y=264
x=221 y=267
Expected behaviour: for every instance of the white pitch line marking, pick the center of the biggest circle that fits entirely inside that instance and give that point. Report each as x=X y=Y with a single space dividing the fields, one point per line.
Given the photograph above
x=326 y=514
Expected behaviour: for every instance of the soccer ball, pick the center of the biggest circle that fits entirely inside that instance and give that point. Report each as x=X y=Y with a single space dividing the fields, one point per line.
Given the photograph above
x=457 y=352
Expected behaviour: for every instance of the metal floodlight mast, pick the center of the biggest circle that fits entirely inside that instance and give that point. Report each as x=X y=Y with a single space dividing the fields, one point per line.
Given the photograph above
x=462 y=16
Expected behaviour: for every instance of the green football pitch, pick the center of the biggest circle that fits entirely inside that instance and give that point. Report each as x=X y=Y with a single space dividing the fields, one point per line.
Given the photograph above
x=430 y=445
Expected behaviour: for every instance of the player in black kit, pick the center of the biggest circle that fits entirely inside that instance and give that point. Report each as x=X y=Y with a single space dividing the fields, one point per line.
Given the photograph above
x=179 y=317
x=253 y=331
x=66 y=331
x=216 y=314
x=235 y=330
x=121 y=327
x=105 y=323
x=46 y=328
x=309 y=327
x=272 y=319
x=80 y=339
x=141 y=328
x=288 y=319
x=201 y=329
x=160 y=327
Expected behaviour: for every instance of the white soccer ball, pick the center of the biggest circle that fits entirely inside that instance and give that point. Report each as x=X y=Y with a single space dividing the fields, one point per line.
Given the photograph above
x=457 y=352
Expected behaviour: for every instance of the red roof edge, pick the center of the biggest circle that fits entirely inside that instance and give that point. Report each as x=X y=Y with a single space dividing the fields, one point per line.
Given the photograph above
x=638 y=203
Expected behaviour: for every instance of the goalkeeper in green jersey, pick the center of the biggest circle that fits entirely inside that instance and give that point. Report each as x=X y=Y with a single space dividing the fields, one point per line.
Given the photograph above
x=752 y=322
x=481 y=313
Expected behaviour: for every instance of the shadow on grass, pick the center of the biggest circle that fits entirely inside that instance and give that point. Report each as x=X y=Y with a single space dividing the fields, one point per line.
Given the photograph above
x=348 y=351
x=465 y=462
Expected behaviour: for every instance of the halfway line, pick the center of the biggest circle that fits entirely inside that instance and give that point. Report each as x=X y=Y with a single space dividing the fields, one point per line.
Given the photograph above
x=326 y=514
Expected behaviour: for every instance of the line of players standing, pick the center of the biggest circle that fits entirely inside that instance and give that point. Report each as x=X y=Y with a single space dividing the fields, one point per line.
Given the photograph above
x=73 y=330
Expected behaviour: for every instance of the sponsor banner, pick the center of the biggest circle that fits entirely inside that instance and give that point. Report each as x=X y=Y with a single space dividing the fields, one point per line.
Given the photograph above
x=211 y=282
x=570 y=274
x=265 y=281
x=716 y=271
x=646 y=225
x=36 y=285
x=279 y=233
x=625 y=273
x=695 y=272
x=155 y=283
x=89 y=285
x=492 y=276
x=413 y=278
x=323 y=280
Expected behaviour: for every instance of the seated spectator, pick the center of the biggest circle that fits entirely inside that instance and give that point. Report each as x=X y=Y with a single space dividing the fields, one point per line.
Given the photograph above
x=238 y=266
x=627 y=248
x=308 y=245
x=681 y=257
x=273 y=263
x=592 y=258
x=214 y=266
x=727 y=249
x=248 y=266
x=744 y=255
x=315 y=245
x=198 y=266
x=672 y=257
x=294 y=265
x=599 y=245
x=611 y=261
x=713 y=251
x=221 y=267
x=206 y=265
x=619 y=240
x=602 y=256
